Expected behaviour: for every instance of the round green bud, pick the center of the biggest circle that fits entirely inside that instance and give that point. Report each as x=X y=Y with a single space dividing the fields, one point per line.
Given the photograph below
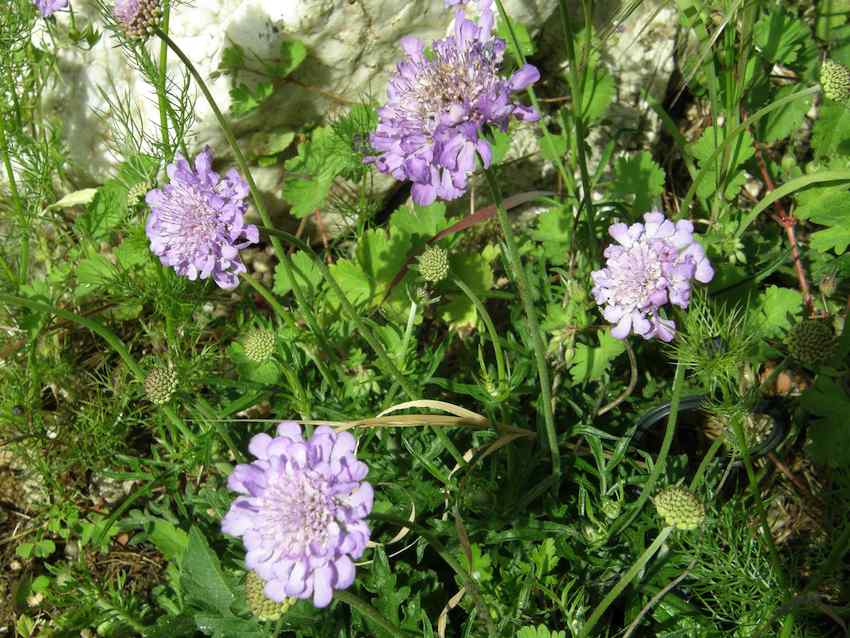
x=828 y=284
x=264 y=609
x=259 y=345
x=137 y=193
x=611 y=508
x=835 y=80
x=812 y=342
x=434 y=264
x=141 y=22
x=679 y=508
x=160 y=385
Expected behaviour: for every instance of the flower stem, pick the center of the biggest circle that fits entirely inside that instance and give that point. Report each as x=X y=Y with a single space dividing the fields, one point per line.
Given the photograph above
x=577 y=93
x=658 y=467
x=491 y=328
x=369 y=612
x=111 y=338
x=160 y=88
x=283 y=258
x=624 y=581
x=16 y=202
x=526 y=294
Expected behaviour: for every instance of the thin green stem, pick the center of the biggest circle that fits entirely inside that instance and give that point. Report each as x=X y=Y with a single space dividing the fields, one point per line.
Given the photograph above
x=283 y=258
x=527 y=295
x=621 y=523
x=160 y=88
x=23 y=264
x=576 y=94
x=266 y=294
x=624 y=581
x=491 y=328
x=369 y=612
x=111 y=338
x=712 y=452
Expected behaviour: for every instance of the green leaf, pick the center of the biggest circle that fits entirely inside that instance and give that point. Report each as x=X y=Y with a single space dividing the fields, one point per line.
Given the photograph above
x=837 y=236
x=590 y=363
x=599 y=91
x=541 y=631
x=831 y=131
x=182 y=626
x=107 y=210
x=244 y=100
x=553 y=232
x=306 y=272
x=739 y=152
x=828 y=405
x=553 y=146
x=232 y=58
x=419 y=222
x=779 y=36
x=169 y=539
x=292 y=54
x=638 y=180
x=202 y=580
x=477 y=273
x=388 y=595
x=311 y=174
x=785 y=120
x=353 y=280
x=526 y=44
x=93 y=273
x=776 y=308
x=133 y=251
x=77 y=198
x=228 y=626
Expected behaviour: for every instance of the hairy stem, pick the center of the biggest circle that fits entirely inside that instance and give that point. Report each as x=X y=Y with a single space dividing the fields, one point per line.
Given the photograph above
x=526 y=294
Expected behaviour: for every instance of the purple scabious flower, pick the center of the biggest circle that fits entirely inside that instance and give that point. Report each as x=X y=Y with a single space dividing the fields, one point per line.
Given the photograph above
x=48 y=7
x=137 y=18
x=438 y=105
x=650 y=265
x=302 y=512
x=196 y=224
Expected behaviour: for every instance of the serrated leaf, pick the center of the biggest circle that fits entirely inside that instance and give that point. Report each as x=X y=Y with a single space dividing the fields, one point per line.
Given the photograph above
x=590 y=363
x=541 y=631
x=353 y=280
x=311 y=174
x=553 y=146
x=837 y=236
x=292 y=54
x=92 y=273
x=776 y=308
x=169 y=539
x=553 y=232
x=477 y=273
x=831 y=131
x=419 y=222
x=202 y=580
x=106 y=211
x=829 y=430
x=133 y=251
x=244 y=99
x=712 y=138
x=181 y=626
x=265 y=373
x=389 y=596
x=783 y=121
x=638 y=180
x=306 y=271
x=780 y=36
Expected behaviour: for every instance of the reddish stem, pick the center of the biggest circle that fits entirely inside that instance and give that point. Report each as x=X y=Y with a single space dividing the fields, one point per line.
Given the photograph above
x=788 y=222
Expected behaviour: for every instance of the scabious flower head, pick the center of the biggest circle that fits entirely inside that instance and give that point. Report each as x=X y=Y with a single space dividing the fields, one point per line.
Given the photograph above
x=196 y=224
x=137 y=18
x=302 y=512
x=48 y=7
x=438 y=106
x=651 y=264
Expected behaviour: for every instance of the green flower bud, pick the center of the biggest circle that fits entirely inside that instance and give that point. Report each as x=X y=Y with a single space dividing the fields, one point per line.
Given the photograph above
x=263 y=608
x=611 y=508
x=160 y=385
x=434 y=264
x=828 y=284
x=812 y=342
x=259 y=345
x=137 y=193
x=679 y=508
x=835 y=80
x=138 y=19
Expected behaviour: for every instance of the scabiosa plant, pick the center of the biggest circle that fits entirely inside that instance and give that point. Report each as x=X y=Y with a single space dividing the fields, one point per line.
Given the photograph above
x=431 y=127
x=138 y=18
x=651 y=265
x=48 y=7
x=196 y=224
x=302 y=512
